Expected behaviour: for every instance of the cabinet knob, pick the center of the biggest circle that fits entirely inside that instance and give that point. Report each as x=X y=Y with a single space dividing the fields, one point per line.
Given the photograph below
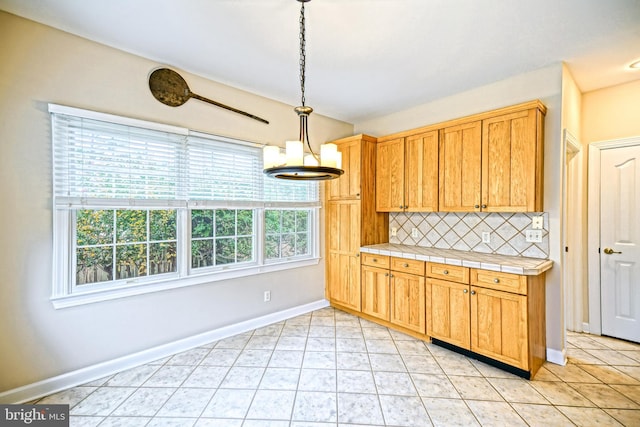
x=496 y=280
x=357 y=255
x=386 y=274
x=406 y=206
x=405 y=265
x=484 y=206
x=473 y=292
x=357 y=194
x=445 y=272
x=375 y=260
x=477 y=206
x=464 y=291
x=391 y=275
x=401 y=207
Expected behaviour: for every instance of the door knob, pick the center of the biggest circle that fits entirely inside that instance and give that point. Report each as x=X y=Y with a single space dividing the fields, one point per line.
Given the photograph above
x=610 y=251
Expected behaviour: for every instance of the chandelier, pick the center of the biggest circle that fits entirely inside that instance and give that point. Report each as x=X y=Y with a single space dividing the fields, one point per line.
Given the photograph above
x=294 y=164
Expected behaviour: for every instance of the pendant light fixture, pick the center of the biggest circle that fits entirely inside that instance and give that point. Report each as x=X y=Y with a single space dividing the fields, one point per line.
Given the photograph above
x=294 y=164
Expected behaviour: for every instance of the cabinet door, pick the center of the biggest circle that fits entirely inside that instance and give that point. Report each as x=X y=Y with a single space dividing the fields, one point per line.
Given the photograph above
x=375 y=292
x=448 y=309
x=390 y=176
x=499 y=326
x=460 y=171
x=421 y=172
x=510 y=160
x=343 y=246
x=348 y=185
x=408 y=301
x=343 y=277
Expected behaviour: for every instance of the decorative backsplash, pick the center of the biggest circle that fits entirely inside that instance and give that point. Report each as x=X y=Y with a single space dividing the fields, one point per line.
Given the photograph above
x=463 y=231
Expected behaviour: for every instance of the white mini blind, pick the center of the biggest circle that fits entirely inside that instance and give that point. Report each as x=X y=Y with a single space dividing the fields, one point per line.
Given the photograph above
x=96 y=160
x=101 y=159
x=222 y=171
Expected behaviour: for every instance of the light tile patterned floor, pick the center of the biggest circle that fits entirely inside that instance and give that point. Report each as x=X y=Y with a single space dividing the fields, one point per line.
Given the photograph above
x=331 y=369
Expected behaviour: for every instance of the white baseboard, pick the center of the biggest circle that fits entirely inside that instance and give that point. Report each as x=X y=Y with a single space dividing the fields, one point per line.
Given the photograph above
x=49 y=386
x=559 y=357
x=585 y=328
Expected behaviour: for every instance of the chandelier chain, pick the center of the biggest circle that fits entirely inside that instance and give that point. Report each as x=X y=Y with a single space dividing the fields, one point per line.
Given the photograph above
x=303 y=53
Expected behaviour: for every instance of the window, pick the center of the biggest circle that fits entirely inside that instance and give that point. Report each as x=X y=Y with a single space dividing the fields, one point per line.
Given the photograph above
x=286 y=233
x=141 y=206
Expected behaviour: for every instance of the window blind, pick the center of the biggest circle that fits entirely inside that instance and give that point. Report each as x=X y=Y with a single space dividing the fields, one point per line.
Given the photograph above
x=101 y=159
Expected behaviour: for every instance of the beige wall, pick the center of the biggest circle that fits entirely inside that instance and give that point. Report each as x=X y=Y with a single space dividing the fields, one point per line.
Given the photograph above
x=544 y=84
x=611 y=113
x=42 y=65
x=608 y=114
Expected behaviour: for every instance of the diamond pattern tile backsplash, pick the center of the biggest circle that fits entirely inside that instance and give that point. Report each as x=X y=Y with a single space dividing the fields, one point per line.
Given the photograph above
x=463 y=231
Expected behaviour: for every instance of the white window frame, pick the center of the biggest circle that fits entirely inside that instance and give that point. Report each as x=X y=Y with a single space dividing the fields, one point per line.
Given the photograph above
x=65 y=294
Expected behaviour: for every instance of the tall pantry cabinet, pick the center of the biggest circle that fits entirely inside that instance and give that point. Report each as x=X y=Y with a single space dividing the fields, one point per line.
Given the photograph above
x=351 y=220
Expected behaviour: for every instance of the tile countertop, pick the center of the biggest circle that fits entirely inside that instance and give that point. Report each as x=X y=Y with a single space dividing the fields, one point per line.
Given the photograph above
x=504 y=263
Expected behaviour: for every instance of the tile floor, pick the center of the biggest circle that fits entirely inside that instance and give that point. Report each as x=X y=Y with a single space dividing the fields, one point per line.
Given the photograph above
x=331 y=369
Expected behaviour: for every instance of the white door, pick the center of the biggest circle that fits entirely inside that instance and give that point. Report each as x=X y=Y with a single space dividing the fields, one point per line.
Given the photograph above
x=620 y=242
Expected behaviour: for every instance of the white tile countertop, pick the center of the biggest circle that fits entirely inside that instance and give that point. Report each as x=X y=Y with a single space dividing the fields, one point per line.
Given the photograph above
x=504 y=263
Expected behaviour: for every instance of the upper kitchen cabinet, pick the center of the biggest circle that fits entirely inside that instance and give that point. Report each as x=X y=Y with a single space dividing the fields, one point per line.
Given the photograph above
x=460 y=167
x=494 y=164
x=348 y=185
x=512 y=154
x=407 y=173
x=351 y=220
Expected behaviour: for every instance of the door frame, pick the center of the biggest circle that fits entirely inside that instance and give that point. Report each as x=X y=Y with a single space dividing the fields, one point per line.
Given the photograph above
x=572 y=232
x=593 y=240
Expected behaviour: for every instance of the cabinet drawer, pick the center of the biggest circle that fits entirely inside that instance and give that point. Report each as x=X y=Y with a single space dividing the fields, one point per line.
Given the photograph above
x=408 y=265
x=374 y=260
x=452 y=273
x=499 y=281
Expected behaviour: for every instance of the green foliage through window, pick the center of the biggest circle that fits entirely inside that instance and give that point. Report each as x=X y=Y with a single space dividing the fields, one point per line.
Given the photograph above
x=119 y=244
x=286 y=233
x=221 y=237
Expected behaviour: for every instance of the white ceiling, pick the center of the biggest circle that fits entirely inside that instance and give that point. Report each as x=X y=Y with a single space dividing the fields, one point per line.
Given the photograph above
x=365 y=58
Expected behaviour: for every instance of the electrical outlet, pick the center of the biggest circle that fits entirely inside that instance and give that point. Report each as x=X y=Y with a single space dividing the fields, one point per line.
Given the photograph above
x=394 y=231
x=414 y=233
x=486 y=237
x=533 y=236
x=267 y=296
x=537 y=222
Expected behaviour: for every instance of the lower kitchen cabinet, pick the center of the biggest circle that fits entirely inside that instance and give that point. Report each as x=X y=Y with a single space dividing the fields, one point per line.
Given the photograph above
x=375 y=292
x=393 y=290
x=496 y=317
x=448 y=311
x=504 y=326
x=343 y=278
x=408 y=301
x=499 y=326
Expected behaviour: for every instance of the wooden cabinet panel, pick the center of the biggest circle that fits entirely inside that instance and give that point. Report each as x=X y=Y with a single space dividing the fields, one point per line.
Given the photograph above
x=380 y=261
x=421 y=172
x=343 y=232
x=375 y=292
x=454 y=273
x=499 y=326
x=499 y=281
x=390 y=176
x=408 y=301
x=343 y=280
x=410 y=266
x=343 y=247
x=448 y=312
x=511 y=163
x=348 y=185
x=351 y=220
x=460 y=167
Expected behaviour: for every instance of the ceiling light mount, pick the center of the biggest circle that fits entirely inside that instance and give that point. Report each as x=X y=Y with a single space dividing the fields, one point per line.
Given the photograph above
x=294 y=165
